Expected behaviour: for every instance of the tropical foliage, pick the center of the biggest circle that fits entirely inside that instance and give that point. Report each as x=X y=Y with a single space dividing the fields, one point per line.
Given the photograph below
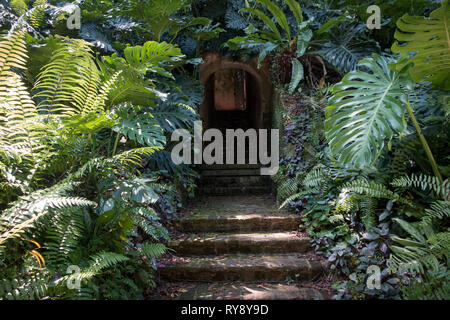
x=87 y=226
x=369 y=170
x=87 y=185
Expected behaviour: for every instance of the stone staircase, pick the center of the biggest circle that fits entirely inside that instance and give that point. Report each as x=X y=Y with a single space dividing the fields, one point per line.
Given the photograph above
x=233 y=180
x=236 y=244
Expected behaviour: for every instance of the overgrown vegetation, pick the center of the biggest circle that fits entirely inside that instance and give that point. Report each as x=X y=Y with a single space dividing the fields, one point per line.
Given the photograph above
x=84 y=173
x=368 y=165
x=86 y=115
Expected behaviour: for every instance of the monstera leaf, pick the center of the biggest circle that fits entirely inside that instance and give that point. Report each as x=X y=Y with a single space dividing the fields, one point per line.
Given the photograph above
x=172 y=116
x=141 y=62
x=152 y=53
x=142 y=128
x=366 y=110
x=428 y=39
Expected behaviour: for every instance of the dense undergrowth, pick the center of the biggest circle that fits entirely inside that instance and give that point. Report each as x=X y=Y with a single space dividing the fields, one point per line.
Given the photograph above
x=86 y=117
x=355 y=154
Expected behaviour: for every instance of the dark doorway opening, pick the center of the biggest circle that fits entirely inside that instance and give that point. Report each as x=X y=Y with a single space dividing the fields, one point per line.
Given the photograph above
x=232 y=100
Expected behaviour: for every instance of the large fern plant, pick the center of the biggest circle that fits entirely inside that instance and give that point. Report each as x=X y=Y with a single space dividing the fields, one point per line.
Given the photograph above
x=425 y=253
x=73 y=115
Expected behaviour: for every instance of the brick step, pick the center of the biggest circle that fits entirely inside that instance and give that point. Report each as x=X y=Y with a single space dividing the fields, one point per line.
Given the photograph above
x=248 y=291
x=220 y=243
x=251 y=267
x=234 y=191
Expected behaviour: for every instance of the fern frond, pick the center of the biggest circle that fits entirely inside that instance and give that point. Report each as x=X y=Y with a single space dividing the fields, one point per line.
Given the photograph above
x=424 y=257
x=63 y=238
x=153 y=250
x=86 y=92
x=438 y=210
x=424 y=183
x=38 y=13
x=148 y=221
x=20 y=134
x=105 y=260
x=133 y=157
x=26 y=211
x=13 y=52
x=315 y=178
x=25 y=288
x=70 y=67
x=298 y=196
x=368 y=206
x=373 y=189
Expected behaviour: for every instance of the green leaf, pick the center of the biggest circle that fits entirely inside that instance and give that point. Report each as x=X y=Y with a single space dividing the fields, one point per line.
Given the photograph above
x=407 y=242
x=297 y=75
x=144 y=129
x=279 y=15
x=266 y=20
x=367 y=109
x=411 y=230
x=152 y=54
x=142 y=192
x=330 y=24
x=347 y=47
x=267 y=48
x=296 y=10
x=428 y=40
x=303 y=39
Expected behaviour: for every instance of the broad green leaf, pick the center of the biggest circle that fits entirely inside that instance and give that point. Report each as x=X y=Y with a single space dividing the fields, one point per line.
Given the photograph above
x=144 y=129
x=329 y=24
x=428 y=40
x=367 y=109
x=153 y=54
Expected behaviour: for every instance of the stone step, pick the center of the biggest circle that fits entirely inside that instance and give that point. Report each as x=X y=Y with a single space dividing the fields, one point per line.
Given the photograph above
x=220 y=243
x=239 y=222
x=251 y=267
x=231 y=172
x=237 y=213
x=228 y=166
x=234 y=191
x=225 y=181
x=248 y=291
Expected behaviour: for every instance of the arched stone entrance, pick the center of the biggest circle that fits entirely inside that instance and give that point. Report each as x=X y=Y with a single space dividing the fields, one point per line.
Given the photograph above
x=237 y=94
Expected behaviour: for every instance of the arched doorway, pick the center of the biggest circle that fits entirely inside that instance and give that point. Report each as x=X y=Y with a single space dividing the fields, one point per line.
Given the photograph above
x=234 y=98
x=237 y=94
